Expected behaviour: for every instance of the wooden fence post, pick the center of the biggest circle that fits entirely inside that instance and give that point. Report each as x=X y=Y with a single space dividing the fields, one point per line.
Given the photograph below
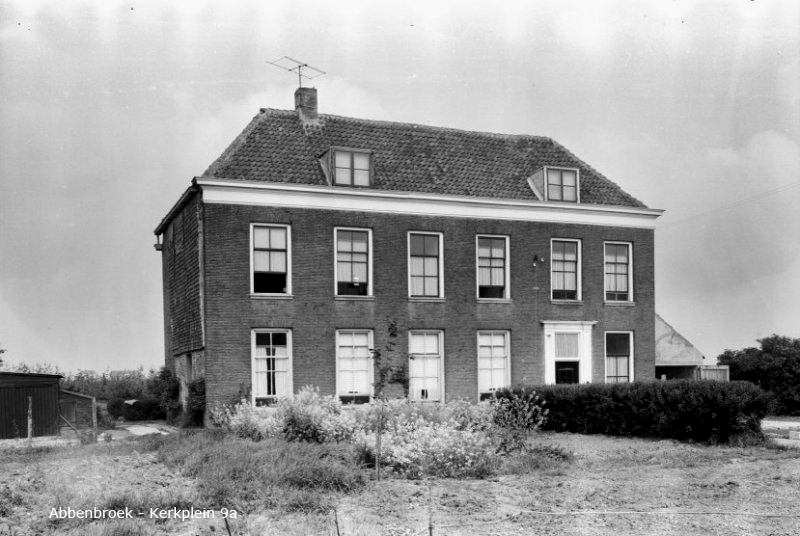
x=30 y=419
x=94 y=419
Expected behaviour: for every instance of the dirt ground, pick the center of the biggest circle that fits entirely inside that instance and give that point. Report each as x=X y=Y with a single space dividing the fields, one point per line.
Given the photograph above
x=618 y=486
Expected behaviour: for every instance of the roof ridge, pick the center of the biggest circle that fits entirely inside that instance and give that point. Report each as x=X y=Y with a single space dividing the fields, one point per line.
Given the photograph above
x=388 y=123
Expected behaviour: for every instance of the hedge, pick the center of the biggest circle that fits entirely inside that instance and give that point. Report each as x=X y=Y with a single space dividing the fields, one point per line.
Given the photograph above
x=705 y=411
x=144 y=409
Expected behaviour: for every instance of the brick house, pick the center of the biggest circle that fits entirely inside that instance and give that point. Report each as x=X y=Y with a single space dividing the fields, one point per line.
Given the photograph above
x=469 y=260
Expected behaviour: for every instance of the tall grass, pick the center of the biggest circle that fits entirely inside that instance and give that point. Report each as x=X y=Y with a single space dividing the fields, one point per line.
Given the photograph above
x=237 y=473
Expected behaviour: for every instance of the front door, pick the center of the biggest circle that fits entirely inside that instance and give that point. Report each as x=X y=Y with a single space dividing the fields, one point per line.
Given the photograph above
x=568 y=352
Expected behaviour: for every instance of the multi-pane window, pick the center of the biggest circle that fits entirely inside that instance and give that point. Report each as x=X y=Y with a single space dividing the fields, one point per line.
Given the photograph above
x=618 y=357
x=354 y=364
x=567 y=355
x=272 y=373
x=425 y=366
x=493 y=361
x=562 y=185
x=424 y=265
x=618 y=271
x=271 y=259
x=352 y=262
x=492 y=267
x=351 y=168
x=565 y=266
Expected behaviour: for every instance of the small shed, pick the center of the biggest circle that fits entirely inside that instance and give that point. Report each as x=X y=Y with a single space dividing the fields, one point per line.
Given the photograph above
x=676 y=357
x=20 y=392
x=78 y=411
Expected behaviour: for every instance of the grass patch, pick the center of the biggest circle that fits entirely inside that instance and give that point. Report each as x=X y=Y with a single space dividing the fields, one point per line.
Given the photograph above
x=237 y=473
x=539 y=458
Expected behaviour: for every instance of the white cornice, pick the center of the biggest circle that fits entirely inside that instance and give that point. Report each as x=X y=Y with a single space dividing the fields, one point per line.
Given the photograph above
x=234 y=192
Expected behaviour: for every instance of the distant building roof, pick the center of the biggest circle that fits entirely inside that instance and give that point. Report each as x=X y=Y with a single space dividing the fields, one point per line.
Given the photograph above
x=674 y=349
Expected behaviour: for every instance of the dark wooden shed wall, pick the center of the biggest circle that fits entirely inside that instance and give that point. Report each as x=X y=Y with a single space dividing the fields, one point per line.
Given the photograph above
x=15 y=388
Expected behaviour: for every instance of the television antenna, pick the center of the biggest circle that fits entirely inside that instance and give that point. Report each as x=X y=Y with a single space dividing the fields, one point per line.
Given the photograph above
x=293 y=65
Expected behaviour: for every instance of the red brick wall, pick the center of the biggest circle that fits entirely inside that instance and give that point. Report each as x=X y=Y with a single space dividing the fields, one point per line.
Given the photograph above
x=313 y=314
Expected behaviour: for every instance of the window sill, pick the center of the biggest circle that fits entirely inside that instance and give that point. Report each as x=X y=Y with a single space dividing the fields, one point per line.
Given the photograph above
x=423 y=299
x=271 y=296
x=620 y=303
x=493 y=300
x=566 y=302
x=354 y=298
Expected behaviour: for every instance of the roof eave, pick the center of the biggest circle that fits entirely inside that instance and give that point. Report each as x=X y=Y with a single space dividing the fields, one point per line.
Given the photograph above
x=184 y=199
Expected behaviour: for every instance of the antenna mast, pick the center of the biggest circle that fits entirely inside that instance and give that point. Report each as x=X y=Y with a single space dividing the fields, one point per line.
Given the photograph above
x=292 y=65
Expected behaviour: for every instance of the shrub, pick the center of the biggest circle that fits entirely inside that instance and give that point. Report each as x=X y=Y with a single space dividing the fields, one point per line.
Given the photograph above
x=705 y=411
x=246 y=421
x=429 y=449
x=309 y=416
x=166 y=387
x=775 y=367
x=114 y=407
x=517 y=413
x=142 y=410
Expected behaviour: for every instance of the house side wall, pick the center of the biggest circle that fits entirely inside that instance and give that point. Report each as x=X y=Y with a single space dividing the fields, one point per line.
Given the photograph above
x=314 y=315
x=181 y=272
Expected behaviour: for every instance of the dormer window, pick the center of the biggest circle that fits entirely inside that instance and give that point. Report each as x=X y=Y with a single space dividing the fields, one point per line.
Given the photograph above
x=562 y=184
x=351 y=168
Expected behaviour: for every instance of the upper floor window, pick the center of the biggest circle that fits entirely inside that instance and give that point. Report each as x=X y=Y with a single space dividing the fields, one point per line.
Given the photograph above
x=562 y=184
x=493 y=266
x=351 y=168
x=353 y=262
x=618 y=273
x=271 y=259
x=425 y=265
x=565 y=269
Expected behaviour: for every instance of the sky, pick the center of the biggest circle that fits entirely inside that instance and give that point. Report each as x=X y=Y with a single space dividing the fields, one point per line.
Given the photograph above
x=108 y=109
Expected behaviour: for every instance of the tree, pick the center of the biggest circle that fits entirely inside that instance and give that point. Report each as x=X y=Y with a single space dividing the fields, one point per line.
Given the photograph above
x=775 y=367
x=2 y=351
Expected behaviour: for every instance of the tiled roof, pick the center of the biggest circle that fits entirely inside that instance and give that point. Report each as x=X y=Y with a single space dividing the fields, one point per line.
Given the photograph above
x=278 y=146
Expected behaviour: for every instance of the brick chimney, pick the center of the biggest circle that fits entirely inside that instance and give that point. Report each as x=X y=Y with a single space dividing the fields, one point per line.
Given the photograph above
x=305 y=103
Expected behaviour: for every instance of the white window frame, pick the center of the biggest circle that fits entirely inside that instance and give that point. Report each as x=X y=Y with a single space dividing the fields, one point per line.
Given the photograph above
x=507 y=369
x=440 y=334
x=336 y=262
x=507 y=273
x=290 y=362
x=630 y=357
x=584 y=330
x=578 y=274
x=352 y=152
x=371 y=370
x=577 y=183
x=630 y=270
x=288 y=259
x=441 y=263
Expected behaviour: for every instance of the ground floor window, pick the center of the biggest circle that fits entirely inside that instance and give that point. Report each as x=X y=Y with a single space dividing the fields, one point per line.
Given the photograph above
x=354 y=365
x=425 y=366
x=493 y=361
x=619 y=357
x=272 y=364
